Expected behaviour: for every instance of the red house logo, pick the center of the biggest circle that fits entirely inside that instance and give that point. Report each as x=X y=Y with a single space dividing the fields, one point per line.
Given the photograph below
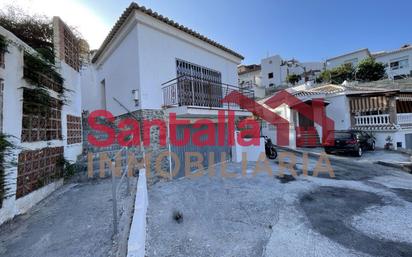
x=315 y=112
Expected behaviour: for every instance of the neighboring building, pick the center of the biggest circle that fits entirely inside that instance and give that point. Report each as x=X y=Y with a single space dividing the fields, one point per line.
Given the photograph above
x=155 y=66
x=45 y=128
x=352 y=58
x=250 y=77
x=382 y=108
x=397 y=62
x=275 y=71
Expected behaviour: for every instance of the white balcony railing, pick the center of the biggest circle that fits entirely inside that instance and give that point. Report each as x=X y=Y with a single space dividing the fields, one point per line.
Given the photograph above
x=404 y=118
x=371 y=120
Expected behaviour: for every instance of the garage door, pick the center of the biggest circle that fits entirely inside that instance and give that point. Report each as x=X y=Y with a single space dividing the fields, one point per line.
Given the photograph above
x=203 y=150
x=408 y=139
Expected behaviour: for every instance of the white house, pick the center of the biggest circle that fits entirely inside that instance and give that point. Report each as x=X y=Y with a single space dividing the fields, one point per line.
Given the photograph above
x=42 y=134
x=397 y=62
x=154 y=66
x=351 y=58
x=382 y=108
x=275 y=70
x=250 y=77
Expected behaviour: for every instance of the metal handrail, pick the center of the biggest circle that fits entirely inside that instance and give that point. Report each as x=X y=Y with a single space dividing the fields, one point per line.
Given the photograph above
x=116 y=188
x=189 y=77
x=188 y=90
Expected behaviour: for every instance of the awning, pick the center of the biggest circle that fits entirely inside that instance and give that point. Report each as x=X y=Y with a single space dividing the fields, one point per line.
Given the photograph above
x=366 y=104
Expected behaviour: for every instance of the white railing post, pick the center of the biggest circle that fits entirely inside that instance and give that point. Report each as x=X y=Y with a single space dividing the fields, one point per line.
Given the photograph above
x=366 y=120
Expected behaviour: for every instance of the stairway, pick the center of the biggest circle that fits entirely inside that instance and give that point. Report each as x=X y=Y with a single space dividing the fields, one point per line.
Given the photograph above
x=307 y=137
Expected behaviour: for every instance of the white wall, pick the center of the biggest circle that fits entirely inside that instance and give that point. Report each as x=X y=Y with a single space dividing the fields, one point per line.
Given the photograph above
x=72 y=83
x=12 y=121
x=250 y=78
x=158 y=52
x=335 y=62
x=121 y=74
x=91 y=93
x=252 y=152
x=280 y=73
x=387 y=58
x=338 y=110
x=143 y=56
x=272 y=64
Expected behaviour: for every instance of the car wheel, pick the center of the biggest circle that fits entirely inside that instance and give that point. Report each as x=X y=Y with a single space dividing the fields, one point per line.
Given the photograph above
x=359 y=152
x=373 y=146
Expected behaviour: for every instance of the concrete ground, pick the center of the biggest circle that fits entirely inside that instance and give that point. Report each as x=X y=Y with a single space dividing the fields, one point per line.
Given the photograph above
x=364 y=211
x=368 y=156
x=76 y=220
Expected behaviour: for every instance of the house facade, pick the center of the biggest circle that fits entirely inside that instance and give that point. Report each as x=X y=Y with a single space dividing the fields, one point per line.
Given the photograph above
x=397 y=62
x=155 y=67
x=386 y=114
x=250 y=78
x=275 y=71
x=352 y=58
x=381 y=108
x=40 y=116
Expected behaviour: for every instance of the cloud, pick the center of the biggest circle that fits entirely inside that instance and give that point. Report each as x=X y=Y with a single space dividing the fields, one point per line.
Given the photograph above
x=74 y=13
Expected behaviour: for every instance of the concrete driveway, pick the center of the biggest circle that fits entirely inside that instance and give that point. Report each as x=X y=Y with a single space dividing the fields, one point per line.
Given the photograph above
x=76 y=220
x=364 y=211
x=368 y=156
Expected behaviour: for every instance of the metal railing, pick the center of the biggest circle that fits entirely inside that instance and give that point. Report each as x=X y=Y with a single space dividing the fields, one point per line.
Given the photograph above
x=116 y=186
x=367 y=120
x=193 y=91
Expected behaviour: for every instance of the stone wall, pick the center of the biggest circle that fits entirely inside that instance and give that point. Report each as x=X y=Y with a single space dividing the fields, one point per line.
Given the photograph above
x=153 y=150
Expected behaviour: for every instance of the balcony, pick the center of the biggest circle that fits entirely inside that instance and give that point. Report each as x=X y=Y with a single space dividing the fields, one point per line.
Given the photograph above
x=404 y=118
x=372 y=120
x=195 y=93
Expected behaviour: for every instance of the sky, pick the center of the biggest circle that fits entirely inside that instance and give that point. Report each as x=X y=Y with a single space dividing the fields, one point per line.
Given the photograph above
x=308 y=30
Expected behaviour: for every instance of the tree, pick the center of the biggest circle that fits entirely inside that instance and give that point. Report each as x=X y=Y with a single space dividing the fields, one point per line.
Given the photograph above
x=369 y=70
x=293 y=78
x=33 y=29
x=338 y=74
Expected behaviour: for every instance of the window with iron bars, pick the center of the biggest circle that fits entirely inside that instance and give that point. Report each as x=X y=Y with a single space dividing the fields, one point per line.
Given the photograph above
x=198 y=86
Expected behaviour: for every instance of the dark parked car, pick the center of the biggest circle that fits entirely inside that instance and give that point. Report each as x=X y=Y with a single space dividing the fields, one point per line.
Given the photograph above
x=349 y=141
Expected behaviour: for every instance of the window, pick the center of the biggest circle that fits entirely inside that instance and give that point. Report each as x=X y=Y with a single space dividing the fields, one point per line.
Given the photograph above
x=399 y=64
x=198 y=85
x=2 y=60
x=103 y=104
x=270 y=75
x=198 y=72
x=353 y=62
x=40 y=122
